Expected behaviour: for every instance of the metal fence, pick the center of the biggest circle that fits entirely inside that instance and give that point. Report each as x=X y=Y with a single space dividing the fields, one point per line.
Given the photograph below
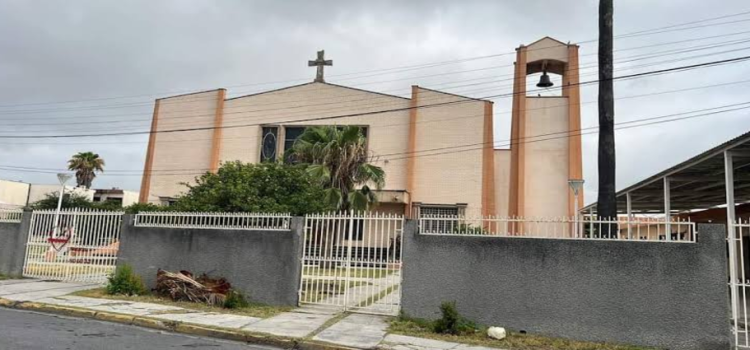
x=352 y=261
x=224 y=221
x=738 y=237
x=76 y=245
x=630 y=229
x=11 y=215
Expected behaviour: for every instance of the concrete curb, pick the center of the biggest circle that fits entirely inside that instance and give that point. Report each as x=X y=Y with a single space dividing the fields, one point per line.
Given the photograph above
x=173 y=326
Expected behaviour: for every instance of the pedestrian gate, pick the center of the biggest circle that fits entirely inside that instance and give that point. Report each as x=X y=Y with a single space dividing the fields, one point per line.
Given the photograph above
x=352 y=262
x=72 y=245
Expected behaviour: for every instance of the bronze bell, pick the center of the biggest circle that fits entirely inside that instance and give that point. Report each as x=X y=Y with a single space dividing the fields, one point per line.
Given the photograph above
x=544 y=80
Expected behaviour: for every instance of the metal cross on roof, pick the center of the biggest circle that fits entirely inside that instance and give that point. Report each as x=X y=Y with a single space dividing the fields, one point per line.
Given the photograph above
x=320 y=62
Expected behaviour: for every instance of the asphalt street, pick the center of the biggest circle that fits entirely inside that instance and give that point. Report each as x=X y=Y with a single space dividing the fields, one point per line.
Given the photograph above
x=21 y=330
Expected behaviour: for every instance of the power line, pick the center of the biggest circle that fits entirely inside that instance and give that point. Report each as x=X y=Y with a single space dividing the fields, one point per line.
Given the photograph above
x=659 y=30
x=198 y=99
x=631 y=76
x=400 y=124
x=529 y=139
x=306 y=112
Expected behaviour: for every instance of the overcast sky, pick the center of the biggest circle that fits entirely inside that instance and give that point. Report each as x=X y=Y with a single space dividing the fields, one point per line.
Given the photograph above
x=113 y=58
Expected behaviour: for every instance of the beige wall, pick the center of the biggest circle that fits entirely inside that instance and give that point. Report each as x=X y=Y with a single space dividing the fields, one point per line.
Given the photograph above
x=387 y=132
x=502 y=181
x=452 y=177
x=181 y=156
x=548 y=49
x=440 y=179
x=13 y=193
x=546 y=186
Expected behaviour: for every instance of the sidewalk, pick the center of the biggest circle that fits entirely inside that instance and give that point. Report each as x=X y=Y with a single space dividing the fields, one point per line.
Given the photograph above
x=305 y=327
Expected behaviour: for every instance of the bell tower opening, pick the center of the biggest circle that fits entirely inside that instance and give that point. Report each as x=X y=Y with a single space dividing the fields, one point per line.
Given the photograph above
x=545 y=130
x=545 y=83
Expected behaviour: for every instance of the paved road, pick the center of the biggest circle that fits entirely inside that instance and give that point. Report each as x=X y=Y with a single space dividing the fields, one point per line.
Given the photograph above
x=22 y=330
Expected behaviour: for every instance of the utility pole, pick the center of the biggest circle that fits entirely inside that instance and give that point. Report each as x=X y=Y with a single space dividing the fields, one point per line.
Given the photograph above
x=606 y=201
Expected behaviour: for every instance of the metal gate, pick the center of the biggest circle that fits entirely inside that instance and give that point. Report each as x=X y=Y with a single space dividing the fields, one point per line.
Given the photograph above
x=739 y=243
x=352 y=262
x=74 y=245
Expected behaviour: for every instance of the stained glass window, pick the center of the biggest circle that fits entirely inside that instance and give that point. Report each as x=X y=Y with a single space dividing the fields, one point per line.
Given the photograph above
x=268 y=144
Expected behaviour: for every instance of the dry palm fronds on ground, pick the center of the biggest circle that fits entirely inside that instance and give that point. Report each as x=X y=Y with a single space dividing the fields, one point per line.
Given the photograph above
x=182 y=286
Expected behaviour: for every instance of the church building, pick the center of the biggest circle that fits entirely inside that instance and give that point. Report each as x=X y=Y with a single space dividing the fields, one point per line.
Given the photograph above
x=436 y=148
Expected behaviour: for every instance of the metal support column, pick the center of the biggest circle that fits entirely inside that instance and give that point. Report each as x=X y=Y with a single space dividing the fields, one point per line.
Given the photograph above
x=629 y=209
x=733 y=242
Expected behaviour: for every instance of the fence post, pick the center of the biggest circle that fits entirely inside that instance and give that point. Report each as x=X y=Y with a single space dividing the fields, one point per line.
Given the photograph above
x=348 y=257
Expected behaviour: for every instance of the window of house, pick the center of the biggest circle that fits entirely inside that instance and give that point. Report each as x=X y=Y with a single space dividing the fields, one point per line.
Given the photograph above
x=268 y=143
x=439 y=219
x=291 y=134
x=441 y=210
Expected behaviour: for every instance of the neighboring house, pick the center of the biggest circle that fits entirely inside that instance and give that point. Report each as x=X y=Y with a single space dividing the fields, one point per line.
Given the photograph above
x=13 y=194
x=437 y=148
x=39 y=192
x=17 y=194
x=123 y=197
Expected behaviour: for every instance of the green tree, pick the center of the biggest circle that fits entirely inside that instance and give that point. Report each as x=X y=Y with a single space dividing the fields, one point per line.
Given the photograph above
x=265 y=187
x=337 y=158
x=70 y=200
x=86 y=165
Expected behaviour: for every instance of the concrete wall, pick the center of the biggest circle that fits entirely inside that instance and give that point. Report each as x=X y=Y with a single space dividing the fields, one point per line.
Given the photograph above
x=670 y=295
x=263 y=264
x=13 y=245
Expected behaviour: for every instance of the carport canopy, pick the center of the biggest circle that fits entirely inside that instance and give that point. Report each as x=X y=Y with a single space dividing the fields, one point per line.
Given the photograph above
x=699 y=183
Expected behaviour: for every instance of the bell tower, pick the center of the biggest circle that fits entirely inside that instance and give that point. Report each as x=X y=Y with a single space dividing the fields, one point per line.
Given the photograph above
x=545 y=132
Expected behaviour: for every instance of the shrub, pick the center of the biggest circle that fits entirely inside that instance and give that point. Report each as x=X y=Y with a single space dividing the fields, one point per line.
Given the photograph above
x=70 y=200
x=452 y=322
x=235 y=300
x=125 y=282
x=264 y=187
x=468 y=229
x=136 y=208
x=108 y=206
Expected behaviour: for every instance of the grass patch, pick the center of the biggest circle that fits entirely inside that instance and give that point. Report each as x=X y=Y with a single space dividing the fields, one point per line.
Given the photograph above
x=68 y=270
x=9 y=277
x=252 y=309
x=514 y=341
x=317 y=290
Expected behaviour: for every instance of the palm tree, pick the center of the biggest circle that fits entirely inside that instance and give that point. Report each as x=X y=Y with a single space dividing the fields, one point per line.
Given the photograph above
x=337 y=157
x=86 y=165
